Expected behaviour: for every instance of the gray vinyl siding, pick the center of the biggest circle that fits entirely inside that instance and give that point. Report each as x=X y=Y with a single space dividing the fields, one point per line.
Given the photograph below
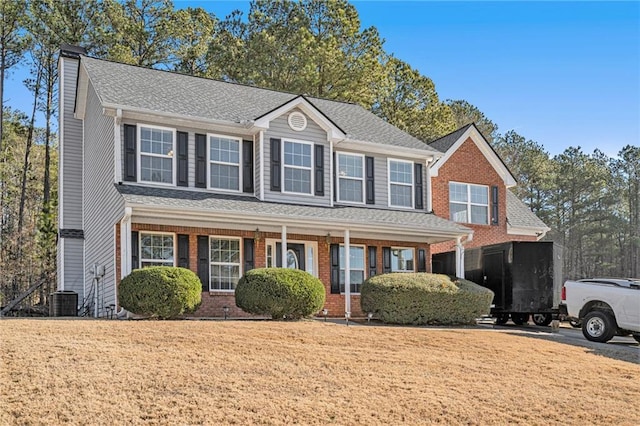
x=381 y=183
x=191 y=147
x=73 y=251
x=279 y=128
x=104 y=206
x=70 y=151
x=70 y=251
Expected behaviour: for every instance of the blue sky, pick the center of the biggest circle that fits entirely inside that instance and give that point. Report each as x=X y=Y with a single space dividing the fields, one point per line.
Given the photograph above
x=560 y=73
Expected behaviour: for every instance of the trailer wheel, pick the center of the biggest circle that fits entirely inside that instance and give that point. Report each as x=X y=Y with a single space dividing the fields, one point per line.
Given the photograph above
x=575 y=323
x=637 y=337
x=598 y=326
x=542 y=319
x=520 y=319
x=501 y=319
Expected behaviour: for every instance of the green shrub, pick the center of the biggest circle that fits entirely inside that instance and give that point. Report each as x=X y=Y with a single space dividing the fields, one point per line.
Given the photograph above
x=424 y=299
x=160 y=291
x=280 y=292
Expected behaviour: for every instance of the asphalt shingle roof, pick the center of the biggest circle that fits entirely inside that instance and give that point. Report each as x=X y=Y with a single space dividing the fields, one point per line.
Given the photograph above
x=222 y=203
x=519 y=214
x=170 y=93
x=447 y=141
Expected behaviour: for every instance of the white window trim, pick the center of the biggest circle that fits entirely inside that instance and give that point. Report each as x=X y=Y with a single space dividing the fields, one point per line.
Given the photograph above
x=210 y=162
x=469 y=203
x=141 y=233
x=311 y=171
x=364 y=270
x=139 y=154
x=362 y=179
x=413 y=180
x=413 y=249
x=241 y=260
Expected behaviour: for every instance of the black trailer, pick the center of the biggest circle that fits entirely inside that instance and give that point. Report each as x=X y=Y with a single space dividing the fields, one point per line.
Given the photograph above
x=526 y=278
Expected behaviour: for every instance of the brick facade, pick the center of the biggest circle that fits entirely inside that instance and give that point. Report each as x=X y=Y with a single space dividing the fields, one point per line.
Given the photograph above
x=469 y=165
x=213 y=302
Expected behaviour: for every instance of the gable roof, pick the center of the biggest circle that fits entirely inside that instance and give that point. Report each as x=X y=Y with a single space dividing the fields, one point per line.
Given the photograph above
x=451 y=142
x=521 y=220
x=133 y=88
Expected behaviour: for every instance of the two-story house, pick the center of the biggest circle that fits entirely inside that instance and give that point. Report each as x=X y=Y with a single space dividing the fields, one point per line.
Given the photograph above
x=158 y=168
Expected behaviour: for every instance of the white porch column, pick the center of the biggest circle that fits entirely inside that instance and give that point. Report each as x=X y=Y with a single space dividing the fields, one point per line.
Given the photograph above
x=347 y=275
x=283 y=248
x=459 y=258
x=125 y=243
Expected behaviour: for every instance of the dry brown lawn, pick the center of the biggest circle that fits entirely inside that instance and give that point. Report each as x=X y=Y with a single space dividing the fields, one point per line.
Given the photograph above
x=262 y=372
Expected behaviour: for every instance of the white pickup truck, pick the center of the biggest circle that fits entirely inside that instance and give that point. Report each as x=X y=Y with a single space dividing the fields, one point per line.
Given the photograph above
x=605 y=306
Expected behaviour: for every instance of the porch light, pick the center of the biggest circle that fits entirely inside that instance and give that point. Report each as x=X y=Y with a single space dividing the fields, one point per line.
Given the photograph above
x=327 y=238
x=257 y=235
x=225 y=309
x=369 y=316
x=325 y=312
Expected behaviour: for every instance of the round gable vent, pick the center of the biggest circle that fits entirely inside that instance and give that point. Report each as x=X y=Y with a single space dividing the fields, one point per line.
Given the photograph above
x=297 y=121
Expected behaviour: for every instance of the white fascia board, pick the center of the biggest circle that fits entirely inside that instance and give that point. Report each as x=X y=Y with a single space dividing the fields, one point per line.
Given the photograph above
x=179 y=120
x=486 y=150
x=333 y=132
x=387 y=150
x=528 y=231
x=312 y=226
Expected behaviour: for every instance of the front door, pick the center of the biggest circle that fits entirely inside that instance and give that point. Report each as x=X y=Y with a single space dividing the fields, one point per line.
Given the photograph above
x=295 y=256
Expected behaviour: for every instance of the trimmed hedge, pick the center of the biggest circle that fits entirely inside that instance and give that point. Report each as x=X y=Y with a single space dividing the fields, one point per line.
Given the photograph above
x=160 y=291
x=280 y=293
x=422 y=298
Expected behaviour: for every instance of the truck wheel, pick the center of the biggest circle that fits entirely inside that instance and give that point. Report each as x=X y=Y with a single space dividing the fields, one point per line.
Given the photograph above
x=501 y=319
x=598 y=326
x=542 y=319
x=520 y=319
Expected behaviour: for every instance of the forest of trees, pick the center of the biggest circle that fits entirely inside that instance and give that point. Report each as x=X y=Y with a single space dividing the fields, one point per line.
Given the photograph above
x=590 y=200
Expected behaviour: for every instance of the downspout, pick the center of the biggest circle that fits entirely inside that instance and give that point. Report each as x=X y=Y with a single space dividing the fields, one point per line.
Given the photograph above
x=117 y=147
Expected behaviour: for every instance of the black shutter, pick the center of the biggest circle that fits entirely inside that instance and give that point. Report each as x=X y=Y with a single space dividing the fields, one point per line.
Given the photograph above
x=319 y=170
x=203 y=261
x=183 y=251
x=183 y=158
x=247 y=166
x=201 y=161
x=386 y=260
x=422 y=260
x=373 y=260
x=494 y=205
x=370 y=182
x=275 y=165
x=249 y=252
x=417 y=167
x=135 y=244
x=130 y=155
x=335 y=178
x=334 y=250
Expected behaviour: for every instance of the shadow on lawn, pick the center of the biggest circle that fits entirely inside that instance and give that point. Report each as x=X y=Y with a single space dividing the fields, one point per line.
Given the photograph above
x=627 y=350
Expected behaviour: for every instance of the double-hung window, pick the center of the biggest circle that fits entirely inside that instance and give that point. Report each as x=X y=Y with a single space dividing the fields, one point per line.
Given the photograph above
x=224 y=255
x=400 y=183
x=224 y=163
x=156 y=155
x=298 y=161
x=350 y=178
x=469 y=203
x=356 y=268
x=401 y=259
x=156 y=249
